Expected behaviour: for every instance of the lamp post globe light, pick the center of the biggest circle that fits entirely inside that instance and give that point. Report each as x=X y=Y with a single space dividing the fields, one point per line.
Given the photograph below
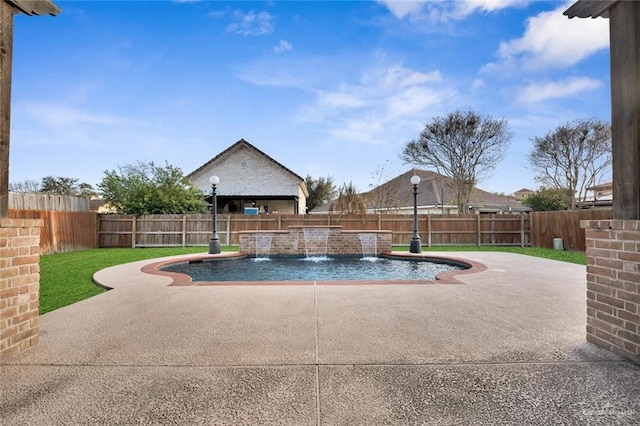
x=214 y=243
x=415 y=245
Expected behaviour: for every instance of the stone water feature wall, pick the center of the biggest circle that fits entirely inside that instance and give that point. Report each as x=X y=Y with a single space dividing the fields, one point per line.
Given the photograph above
x=314 y=240
x=19 y=284
x=613 y=286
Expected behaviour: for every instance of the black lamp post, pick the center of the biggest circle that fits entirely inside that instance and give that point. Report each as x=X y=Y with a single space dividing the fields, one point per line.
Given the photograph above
x=415 y=246
x=214 y=243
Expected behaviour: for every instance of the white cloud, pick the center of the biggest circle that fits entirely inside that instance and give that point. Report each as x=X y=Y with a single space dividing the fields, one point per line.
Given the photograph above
x=282 y=46
x=445 y=10
x=538 y=92
x=340 y=99
x=478 y=84
x=402 y=8
x=252 y=23
x=64 y=116
x=551 y=40
x=383 y=99
x=465 y=8
x=399 y=76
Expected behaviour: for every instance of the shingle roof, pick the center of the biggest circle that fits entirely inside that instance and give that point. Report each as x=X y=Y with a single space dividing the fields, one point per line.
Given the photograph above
x=434 y=190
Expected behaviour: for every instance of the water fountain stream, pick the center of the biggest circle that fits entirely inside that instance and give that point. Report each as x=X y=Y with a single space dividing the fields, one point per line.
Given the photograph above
x=369 y=242
x=263 y=246
x=315 y=242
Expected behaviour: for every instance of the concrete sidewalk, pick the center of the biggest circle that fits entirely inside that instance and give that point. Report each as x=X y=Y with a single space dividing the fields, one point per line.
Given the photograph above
x=506 y=347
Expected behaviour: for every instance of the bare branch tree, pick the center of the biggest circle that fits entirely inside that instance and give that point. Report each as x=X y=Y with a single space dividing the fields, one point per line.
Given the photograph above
x=464 y=146
x=573 y=157
x=28 y=185
x=384 y=195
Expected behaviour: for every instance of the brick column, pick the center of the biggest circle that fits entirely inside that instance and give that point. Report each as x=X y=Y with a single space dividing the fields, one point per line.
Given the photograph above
x=613 y=286
x=19 y=284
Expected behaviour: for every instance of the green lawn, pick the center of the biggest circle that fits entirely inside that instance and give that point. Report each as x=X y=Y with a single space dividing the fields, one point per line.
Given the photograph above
x=565 y=256
x=66 y=278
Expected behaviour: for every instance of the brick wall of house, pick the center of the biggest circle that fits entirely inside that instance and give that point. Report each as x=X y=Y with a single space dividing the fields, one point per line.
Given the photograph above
x=19 y=284
x=315 y=241
x=244 y=171
x=613 y=286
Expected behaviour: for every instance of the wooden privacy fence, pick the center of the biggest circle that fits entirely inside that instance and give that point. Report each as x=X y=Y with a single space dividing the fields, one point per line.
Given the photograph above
x=195 y=230
x=72 y=231
x=48 y=202
x=545 y=226
x=63 y=231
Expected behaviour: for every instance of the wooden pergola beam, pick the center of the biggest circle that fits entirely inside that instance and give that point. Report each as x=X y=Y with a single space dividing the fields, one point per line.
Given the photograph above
x=6 y=51
x=35 y=7
x=624 y=34
x=8 y=8
x=590 y=9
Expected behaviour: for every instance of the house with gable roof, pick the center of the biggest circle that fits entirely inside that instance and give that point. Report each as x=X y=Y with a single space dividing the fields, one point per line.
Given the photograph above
x=251 y=182
x=435 y=196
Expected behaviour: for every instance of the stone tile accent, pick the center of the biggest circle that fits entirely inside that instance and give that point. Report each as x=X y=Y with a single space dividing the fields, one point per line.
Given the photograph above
x=19 y=284
x=613 y=285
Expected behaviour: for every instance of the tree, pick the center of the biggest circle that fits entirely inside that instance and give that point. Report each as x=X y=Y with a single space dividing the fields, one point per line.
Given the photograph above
x=66 y=186
x=349 y=201
x=547 y=199
x=385 y=194
x=321 y=190
x=575 y=156
x=464 y=146
x=55 y=185
x=144 y=188
x=28 y=185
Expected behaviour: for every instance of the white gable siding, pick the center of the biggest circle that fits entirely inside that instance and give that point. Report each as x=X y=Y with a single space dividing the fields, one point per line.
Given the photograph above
x=245 y=172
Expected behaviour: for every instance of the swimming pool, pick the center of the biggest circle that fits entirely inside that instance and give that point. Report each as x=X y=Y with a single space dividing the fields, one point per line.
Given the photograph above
x=314 y=269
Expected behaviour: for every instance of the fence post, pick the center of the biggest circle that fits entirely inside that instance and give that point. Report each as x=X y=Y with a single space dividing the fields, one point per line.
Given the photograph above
x=184 y=230
x=99 y=219
x=521 y=229
x=133 y=232
x=493 y=229
x=428 y=230
x=478 y=230
x=228 y=229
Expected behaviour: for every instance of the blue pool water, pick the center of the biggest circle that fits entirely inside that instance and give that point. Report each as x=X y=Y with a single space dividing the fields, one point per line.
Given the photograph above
x=313 y=269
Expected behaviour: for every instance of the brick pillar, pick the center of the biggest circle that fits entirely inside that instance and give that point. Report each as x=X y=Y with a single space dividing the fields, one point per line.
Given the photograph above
x=19 y=284
x=613 y=286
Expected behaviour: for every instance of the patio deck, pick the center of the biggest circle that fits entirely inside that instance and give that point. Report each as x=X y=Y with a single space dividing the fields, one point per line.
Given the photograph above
x=507 y=346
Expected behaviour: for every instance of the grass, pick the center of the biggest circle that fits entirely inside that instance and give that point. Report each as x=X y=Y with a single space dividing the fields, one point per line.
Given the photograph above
x=67 y=278
x=577 y=257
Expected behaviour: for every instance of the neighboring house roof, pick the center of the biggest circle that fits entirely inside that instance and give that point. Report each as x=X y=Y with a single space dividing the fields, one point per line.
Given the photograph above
x=523 y=190
x=523 y=193
x=95 y=204
x=234 y=147
x=433 y=190
x=601 y=187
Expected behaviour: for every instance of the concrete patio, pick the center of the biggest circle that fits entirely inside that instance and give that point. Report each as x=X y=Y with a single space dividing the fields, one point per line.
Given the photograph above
x=505 y=347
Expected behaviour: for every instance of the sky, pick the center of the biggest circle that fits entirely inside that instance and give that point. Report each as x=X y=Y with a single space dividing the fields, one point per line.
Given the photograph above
x=326 y=88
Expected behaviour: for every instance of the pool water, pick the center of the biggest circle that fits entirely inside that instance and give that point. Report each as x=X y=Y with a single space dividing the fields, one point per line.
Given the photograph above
x=313 y=269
